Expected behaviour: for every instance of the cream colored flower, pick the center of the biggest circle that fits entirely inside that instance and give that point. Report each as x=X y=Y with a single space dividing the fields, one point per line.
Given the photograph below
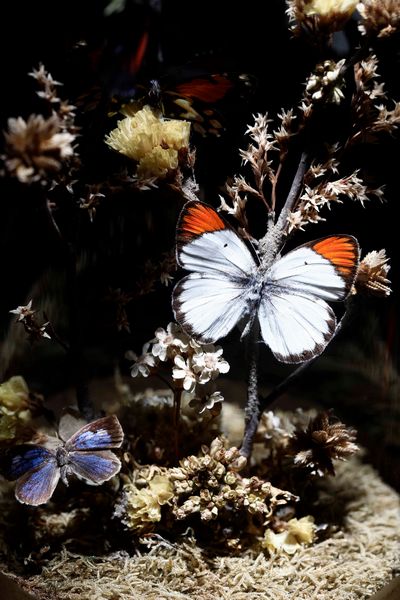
x=36 y=147
x=14 y=406
x=319 y=16
x=143 y=506
x=372 y=274
x=298 y=532
x=209 y=363
x=330 y=7
x=152 y=141
x=14 y=394
x=170 y=342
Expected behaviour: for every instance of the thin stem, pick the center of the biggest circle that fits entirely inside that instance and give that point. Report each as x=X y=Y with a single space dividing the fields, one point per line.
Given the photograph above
x=177 y=412
x=54 y=335
x=273 y=192
x=253 y=409
x=293 y=193
x=75 y=353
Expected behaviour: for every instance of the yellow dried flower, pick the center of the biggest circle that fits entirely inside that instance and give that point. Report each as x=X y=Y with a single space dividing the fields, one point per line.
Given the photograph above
x=142 y=506
x=298 y=532
x=157 y=163
x=14 y=394
x=150 y=140
x=328 y=8
x=372 y=274
x=14 y=406
x=318 y=16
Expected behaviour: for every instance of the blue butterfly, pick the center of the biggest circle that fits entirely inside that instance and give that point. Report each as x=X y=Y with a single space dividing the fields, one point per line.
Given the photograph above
x=86 y=454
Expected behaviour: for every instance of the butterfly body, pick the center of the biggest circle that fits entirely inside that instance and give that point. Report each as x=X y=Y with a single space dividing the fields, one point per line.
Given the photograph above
x=228 y=284
x=86 y=454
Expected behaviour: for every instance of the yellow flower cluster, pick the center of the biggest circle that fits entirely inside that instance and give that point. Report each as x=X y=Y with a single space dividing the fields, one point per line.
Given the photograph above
x=329 y=7
x=150 y=140
x=14 y=397
x=142 y=506
x=298 y=532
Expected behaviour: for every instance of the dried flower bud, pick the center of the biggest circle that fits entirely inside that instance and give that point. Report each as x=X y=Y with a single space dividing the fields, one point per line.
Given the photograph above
x=326 y=83
x=36 y=147
x=372 y=274
x=320 y=16
x=380 y=18
x=323 y=441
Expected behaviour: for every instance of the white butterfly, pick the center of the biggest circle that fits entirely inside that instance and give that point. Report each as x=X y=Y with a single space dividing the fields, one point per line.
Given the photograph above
x=227 y=284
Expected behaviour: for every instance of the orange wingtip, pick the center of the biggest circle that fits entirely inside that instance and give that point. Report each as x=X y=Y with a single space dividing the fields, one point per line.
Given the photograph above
x=206 y=90
x=198 y=218
x=341 y=250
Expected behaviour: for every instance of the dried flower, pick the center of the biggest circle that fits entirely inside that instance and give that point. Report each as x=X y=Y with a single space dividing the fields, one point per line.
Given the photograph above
x=141 y=502
x=36 y=147
x=169 y=342
x=319 y=16
x=211 y=484
x=152 y=141
x=211 y=402
x=26 y=317
x=323 y=194
x=379 y=18
x=208 y=364
x=14 y=406
x=326 y=83
x=324 y=440
x=297 y=532
x=183 y=370
x=372 y=274
x=90 y=203
x=143 y=364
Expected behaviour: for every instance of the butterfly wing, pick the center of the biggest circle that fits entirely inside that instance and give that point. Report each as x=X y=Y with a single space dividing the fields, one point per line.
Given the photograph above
x=295 y=320
x=101 y=434
x=209 y=302
x=95 y=467
x=36 y=471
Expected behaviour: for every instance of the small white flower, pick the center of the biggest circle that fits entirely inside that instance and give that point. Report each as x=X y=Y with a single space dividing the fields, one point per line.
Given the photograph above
x=166 y=342
x=209 y=363
x=142 y=364
x=207 y=403
x=183 y=370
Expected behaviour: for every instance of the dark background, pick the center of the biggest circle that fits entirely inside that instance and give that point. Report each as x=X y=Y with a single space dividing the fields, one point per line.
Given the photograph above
x=358 y=373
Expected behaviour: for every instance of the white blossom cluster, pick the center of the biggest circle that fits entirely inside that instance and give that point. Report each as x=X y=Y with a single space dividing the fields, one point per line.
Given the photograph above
x=192 y=364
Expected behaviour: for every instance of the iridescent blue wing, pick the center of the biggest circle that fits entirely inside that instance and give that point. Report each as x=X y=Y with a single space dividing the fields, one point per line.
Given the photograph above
x=20 y=459
x=36 y=470
x=99 y=435
x=37 y=485
x=95 y=467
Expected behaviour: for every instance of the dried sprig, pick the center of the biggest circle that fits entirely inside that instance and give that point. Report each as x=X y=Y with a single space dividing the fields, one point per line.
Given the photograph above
x=26 y=316
x=211 y=485
x=323 y=193
x=379 y=18
x=372 y=274
x=324 y=440
x=319 y=17
x=36 y=148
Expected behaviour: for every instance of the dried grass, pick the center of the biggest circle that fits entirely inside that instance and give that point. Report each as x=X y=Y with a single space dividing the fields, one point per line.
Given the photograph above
x=352 y=564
